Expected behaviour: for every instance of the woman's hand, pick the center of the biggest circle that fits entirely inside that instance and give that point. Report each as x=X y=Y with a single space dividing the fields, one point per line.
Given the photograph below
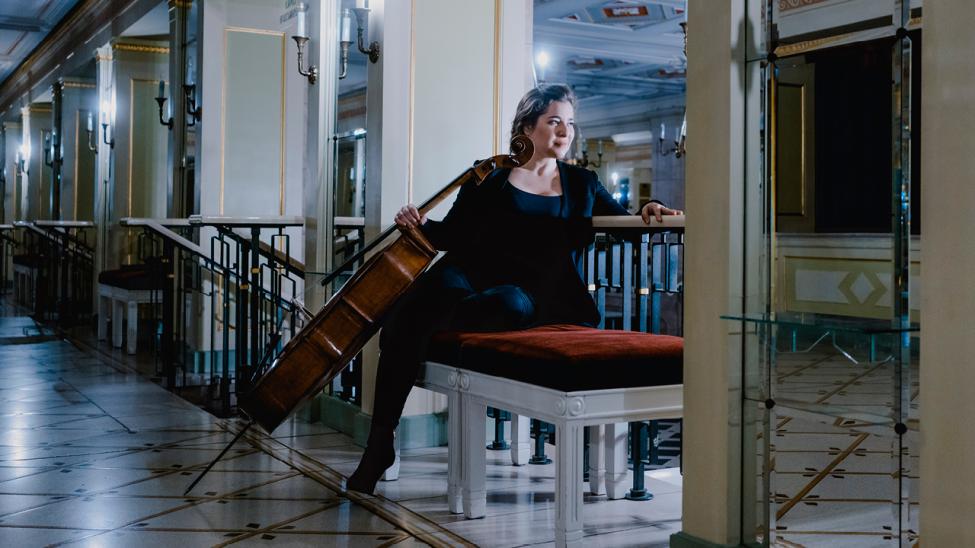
x=657 y=211
x=408 y=216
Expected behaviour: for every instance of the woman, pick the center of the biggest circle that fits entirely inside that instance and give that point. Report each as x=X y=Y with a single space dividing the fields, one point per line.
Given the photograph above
x=515 y=245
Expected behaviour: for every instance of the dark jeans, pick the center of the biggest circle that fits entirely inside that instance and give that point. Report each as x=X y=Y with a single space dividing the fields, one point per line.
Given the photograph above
x=443 y=299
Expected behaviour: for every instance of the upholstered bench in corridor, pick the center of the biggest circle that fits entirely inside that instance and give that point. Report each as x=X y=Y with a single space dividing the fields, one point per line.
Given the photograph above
x=120 y=292
x=573 y=377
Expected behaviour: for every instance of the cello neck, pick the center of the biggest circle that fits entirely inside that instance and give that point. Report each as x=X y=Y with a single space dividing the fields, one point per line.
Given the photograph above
x=424 y=208
x=439 y=197
x=521 y=151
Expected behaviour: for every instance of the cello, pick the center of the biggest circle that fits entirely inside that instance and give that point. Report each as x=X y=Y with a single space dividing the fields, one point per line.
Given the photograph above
x=329 y=341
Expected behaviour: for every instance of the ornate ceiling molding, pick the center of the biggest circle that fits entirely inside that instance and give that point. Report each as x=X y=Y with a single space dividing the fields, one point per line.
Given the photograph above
x=140 y=48
x=786 y=5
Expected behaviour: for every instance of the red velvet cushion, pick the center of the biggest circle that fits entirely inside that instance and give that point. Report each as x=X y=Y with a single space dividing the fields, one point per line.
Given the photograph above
x=567 y=357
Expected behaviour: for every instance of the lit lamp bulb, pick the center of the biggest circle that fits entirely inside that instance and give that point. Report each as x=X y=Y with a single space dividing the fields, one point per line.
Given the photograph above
x=542 y=59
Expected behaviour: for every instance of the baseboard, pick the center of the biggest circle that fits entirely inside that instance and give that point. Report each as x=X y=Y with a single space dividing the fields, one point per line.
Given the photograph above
x=684 y=540
x=429 y=430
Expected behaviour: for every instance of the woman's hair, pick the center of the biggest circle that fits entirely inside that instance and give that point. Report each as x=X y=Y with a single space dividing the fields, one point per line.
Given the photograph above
x=536 y=102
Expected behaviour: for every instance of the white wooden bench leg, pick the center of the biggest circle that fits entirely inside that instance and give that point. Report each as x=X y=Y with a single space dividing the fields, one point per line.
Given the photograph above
x=521 y=446
x=104 y=305
x=474 y=458
x=568 y=484
x=118 y=312
x=131 y=326
x=597 y=460
x=392 y=473
x=615 y=440
x=455 y=452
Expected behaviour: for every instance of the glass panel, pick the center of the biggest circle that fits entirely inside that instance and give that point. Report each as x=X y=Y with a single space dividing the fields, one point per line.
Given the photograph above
x=830 y=349
x=755 y=473
x=834 y=484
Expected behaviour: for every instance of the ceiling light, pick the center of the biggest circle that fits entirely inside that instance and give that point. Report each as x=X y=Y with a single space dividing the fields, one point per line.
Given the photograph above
x=542 y=59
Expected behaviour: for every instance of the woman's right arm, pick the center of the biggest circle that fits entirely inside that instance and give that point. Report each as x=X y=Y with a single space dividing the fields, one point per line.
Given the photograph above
x=450 y=233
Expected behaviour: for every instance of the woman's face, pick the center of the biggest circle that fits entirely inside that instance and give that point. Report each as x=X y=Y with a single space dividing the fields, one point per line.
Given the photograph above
x=554 y=131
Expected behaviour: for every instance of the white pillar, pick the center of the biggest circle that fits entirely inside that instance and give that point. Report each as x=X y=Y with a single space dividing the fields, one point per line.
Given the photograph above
x=436 y=69
x=947 y=198
x=712 y=398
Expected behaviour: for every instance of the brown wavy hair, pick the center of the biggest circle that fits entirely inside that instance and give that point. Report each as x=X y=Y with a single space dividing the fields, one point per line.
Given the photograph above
x=536 y=102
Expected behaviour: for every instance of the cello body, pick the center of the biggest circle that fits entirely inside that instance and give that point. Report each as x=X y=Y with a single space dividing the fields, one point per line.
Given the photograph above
x=325 y=346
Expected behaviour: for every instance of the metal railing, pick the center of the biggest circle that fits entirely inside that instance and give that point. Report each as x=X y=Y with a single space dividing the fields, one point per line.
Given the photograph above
x=634 y=272
x=55 y=262
x=229 y=297
x=7 y=245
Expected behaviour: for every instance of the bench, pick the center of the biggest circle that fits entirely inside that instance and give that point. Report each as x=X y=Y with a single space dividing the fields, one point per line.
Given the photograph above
x=120 y=292
x=573 y=377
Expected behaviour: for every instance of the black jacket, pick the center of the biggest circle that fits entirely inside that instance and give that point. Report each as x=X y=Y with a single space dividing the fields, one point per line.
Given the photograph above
x=495 y=245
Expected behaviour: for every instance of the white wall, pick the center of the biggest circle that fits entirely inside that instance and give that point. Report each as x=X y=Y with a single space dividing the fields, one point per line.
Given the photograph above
x=438 y=101
x=251 y=152
x=948 y=305
x=13 y=136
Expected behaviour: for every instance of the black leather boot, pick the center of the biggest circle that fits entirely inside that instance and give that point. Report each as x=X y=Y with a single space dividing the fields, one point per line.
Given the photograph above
x=379 y=456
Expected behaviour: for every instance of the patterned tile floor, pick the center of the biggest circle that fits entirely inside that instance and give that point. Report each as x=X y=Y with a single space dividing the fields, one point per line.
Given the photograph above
x=835 y=455
x=96 y=455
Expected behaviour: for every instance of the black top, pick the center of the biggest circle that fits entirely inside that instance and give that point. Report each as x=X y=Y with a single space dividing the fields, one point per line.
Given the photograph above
x=527 y=203
x=500 y=235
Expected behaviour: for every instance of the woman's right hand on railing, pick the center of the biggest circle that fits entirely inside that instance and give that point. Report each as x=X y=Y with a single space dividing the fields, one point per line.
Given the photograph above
x=409 y=216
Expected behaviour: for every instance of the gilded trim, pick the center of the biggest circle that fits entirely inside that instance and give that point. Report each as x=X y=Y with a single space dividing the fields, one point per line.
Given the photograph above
x=130 y=147
x=786 y=50
x=181 y=3
x=139 y=48
x=252 y=31
x=77 y=160
x=223 y=110
x=787 y=5
x=223 y=119
x=284 y=118
x=498 y=7
x=409 y=164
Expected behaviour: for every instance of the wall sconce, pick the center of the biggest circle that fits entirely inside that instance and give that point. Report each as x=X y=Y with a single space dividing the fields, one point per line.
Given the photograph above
x=301 y=38
x=194 y=111
x=345 y=36
x=48 y=154
x=107 y=114
x=23 y=157
x=52 y=148
x=677 y=149
x=161 y=101
x=89 y=129
x=585 y=162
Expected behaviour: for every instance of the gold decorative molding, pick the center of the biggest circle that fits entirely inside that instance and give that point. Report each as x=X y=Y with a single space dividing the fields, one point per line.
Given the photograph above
x=181 y=3
x=787 y=5
x=284 y=118
x=409 y=133
x=806 y=46
x=139 y=48
x=786 y=50
x=223 y=110
x=496 y=103
x=77 y=160
x=253 y=31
